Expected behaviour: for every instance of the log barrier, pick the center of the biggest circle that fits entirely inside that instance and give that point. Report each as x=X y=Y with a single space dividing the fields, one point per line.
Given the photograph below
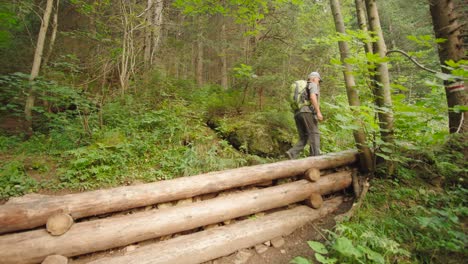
x=32 y=213
x=84 y=237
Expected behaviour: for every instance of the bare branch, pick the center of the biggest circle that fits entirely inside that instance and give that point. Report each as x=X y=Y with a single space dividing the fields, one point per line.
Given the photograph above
x=412 y=59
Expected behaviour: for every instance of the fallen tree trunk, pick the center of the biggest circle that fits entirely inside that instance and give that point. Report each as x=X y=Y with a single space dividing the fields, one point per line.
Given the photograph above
x=218 y=242
x=92 y=236
x=33 y=212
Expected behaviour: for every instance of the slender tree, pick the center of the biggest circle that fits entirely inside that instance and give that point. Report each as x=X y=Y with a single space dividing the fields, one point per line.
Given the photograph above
x=446 y=24
x=200 y=54
x=353 y=98
x=37 y=65
x=223 y=55
x=148 y=33
x=53 y=35
x=362 y=21
x=157 y=24
x=382 y=89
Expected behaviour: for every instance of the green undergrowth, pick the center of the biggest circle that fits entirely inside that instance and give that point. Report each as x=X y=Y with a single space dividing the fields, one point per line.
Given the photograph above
x=418 y=216
x=400 y=222
x=151 y=135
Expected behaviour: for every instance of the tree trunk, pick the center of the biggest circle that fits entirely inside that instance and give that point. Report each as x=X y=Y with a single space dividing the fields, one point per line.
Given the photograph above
x=34 y=246
x=446 y=25
x=353 y=98
x=224 y=72
x=37 y=65
x=382 y=92
x=34 y=212
x=53 y=36
x=207 y=245
x=124 y=60
x=148 y=34
x=157 y=23
x=199 y=70
x=362 y=21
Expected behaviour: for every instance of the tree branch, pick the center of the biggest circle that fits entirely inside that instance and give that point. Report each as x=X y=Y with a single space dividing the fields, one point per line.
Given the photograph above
x=461 y=122
x=413 y=60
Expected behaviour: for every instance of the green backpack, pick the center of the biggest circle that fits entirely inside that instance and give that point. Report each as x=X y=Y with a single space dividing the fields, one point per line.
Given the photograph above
x=299 y=96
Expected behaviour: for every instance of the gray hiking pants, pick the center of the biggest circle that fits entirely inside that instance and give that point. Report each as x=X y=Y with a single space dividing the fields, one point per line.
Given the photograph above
x=307 y=127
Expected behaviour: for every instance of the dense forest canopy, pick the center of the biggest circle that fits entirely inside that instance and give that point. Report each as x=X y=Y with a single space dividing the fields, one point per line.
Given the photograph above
x=105 y=93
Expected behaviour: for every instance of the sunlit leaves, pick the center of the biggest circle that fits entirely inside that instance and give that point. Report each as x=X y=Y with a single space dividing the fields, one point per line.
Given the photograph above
x=425 y=40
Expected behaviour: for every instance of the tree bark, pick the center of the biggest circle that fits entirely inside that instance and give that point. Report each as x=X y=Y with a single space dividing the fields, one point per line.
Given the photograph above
x=446 y=26
x=366 y=160
x=37 y=65
x=34 y=212
x=34 y=246
x=53 y=36
x=148 y=34
x=224 y=71
x=199 y=70
x=157 y=23
x=362 y=21
x=207 y=245
x=382 y=92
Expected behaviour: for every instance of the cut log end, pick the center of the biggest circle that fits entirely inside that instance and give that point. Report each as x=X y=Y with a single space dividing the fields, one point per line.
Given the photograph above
x=59 y=223
x=312 y=174
x=315 y=201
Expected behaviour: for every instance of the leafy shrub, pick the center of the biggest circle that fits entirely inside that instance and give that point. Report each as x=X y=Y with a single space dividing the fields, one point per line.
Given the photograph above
x=400 y=222
x=103 y=162
x=14 y=181
x=8 y=142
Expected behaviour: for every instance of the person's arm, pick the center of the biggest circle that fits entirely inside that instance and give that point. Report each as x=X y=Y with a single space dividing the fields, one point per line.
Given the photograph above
x=315 y=104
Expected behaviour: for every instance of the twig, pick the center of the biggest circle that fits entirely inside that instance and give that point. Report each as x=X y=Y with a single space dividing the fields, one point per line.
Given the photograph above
x=358 y=204
x=413 y=60
x=320 y=233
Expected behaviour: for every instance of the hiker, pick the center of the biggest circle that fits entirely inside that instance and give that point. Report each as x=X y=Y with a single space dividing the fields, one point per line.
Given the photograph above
x=306 y=107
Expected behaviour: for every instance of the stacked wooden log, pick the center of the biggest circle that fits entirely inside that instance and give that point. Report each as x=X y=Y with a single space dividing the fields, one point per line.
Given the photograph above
x=151 y=220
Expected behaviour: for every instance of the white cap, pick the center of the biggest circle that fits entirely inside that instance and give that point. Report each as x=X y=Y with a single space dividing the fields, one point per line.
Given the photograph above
x=314 y=74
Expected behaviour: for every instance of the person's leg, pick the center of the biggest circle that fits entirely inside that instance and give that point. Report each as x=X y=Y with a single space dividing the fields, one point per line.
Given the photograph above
x=302 y=131
x=313 y=134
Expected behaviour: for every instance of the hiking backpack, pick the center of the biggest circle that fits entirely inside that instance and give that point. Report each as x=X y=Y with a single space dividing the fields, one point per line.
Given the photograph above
x=299 y=96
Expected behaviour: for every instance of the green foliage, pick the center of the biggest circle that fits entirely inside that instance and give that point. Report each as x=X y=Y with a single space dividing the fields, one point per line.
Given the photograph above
x=244 y=12
x=14 y=181
x=103 y=162
x=300 y=260
x=7 y=143
x=400 y=224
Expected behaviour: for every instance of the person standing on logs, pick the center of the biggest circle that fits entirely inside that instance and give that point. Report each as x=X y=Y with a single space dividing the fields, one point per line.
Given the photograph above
x=305 y=104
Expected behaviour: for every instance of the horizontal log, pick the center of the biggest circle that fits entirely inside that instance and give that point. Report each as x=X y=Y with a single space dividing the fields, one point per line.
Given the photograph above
x=222 y=241
x=33 y=212
x=92 y=236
